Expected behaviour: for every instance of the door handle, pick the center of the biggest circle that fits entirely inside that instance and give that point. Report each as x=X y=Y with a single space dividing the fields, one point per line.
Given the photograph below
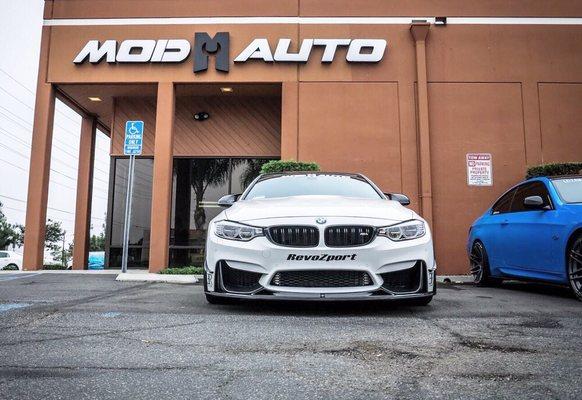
x=505 y=222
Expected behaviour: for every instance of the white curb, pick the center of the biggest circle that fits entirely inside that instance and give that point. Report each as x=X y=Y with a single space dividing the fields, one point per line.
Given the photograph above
x=163 y=278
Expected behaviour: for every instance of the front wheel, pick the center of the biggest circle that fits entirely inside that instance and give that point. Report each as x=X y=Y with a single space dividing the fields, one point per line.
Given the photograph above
x=575 y=267
x=479 y=262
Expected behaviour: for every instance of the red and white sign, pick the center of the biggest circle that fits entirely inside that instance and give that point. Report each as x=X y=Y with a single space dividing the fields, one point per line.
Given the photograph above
x=479 y=169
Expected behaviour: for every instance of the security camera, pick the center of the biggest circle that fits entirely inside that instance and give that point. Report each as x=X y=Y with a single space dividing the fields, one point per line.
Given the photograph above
x=201 y=116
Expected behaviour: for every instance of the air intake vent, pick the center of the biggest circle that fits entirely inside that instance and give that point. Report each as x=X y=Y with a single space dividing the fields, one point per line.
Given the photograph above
x=403 y=281
x=321 y=279
x=348 y=236
x=294 y=236
x=237 y=280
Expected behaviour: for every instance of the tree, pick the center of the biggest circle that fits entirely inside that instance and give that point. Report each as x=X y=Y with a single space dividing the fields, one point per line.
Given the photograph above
x=7 y=233
x=206 y=172
x=53 y=240
x=252 y=170
x=97 y=242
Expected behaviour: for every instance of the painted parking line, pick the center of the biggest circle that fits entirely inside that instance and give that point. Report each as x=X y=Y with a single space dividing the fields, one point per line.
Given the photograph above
x=16 y=276
x=12 y=306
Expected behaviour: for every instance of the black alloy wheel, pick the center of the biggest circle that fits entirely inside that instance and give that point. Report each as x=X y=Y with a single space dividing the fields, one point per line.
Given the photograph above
x=479 y=264
x=575 y=267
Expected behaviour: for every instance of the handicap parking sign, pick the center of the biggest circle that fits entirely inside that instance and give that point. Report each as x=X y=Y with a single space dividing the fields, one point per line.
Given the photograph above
x=133 y=138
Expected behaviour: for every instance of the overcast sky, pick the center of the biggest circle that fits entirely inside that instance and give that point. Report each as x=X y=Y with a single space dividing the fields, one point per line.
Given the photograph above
x=20 y=30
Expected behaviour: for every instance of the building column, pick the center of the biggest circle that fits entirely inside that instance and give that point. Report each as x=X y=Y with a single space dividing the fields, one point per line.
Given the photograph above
x=40 y=162
x=289 y=121
x=84 y=192
x=419 y=32
x=162 y=178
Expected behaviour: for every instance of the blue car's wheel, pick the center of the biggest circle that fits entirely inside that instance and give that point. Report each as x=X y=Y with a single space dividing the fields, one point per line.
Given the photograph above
x=575 y=267
x=479 y=262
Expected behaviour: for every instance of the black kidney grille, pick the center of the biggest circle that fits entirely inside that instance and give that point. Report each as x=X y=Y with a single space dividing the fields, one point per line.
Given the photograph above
x=406 y=280
x=348 y=235
x=321 y=279
x=294 y=236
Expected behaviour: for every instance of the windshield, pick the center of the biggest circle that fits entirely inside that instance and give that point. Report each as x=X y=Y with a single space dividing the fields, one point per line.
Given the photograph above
x=312 y=185
x=569 y=189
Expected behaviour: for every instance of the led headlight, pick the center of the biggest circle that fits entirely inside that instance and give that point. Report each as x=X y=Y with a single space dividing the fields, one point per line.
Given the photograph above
x=235 y=231
x=404 y=231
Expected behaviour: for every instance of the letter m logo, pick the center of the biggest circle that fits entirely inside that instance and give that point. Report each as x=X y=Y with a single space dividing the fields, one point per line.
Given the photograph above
x=218 y=46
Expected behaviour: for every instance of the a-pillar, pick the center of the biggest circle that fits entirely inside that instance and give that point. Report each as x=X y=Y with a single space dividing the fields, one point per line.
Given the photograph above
x=84 y=192
x=162 y=178
x=40 y=162
x=419 y=32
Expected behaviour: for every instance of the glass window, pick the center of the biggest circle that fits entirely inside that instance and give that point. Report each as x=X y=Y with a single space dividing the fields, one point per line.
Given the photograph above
x=3 y=254
x=312 y=185
x=139 y=232
x=569 y=189
x=504 y=203
x=530 y=189
x=198 y=184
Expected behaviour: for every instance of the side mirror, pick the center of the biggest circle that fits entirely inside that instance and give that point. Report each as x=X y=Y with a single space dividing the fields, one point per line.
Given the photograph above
x=399 y=197
x=228 y=200
x=533 y=203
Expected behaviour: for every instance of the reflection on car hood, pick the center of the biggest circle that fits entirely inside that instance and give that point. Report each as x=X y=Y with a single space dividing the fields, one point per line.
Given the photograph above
x=317 y=206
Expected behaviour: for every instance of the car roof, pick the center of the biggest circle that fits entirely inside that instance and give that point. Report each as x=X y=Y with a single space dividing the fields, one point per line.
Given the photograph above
x=295 y=173
x=563 y=177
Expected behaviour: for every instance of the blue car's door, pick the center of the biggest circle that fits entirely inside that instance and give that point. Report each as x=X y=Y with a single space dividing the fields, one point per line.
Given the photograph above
x=531 y=237
x=492 y=228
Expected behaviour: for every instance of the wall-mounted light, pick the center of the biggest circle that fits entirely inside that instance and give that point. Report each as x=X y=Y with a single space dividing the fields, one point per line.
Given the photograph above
x=226 y=89
x=95 y=98
x=201 y=116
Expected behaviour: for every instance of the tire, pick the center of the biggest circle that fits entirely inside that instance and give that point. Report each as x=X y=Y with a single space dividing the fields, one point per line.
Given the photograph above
x=424 y=301
x=574 y=266
x=479 y=263
x=11 y=267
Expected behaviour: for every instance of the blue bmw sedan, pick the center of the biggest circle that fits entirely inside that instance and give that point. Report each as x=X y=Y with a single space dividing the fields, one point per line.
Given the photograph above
x=532 y=232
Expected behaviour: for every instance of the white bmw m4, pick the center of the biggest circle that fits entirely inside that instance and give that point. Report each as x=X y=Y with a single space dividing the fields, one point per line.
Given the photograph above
x=318 y=236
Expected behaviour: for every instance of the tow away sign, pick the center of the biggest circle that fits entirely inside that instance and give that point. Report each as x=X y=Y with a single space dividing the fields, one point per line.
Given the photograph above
x=479 y=169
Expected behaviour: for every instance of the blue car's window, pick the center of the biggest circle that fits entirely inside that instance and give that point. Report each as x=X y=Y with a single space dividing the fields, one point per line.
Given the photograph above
x=504 y=203
x=536 y=188
x=569 y=189
x=312 y=185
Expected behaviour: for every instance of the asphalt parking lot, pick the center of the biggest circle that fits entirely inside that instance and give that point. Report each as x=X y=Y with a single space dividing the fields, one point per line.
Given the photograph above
x=82 y=336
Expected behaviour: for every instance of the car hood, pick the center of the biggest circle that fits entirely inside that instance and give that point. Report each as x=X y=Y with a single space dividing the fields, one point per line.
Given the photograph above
x=318 y=206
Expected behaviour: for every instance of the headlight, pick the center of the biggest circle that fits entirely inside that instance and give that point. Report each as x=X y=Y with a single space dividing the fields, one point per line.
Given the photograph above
x=235 y=231
x=404 y=231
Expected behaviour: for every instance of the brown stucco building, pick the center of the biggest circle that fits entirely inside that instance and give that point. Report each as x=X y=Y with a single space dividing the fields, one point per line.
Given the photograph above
x=501 y=77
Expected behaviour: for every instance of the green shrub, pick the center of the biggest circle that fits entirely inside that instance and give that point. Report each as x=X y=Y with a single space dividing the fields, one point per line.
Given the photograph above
x=11 y=267
x=287 y=166
x=191 y=270
x=572 y=168
x=55 y=267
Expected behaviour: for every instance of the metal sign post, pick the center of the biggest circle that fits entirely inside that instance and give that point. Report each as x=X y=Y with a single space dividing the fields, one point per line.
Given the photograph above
x=132 y=147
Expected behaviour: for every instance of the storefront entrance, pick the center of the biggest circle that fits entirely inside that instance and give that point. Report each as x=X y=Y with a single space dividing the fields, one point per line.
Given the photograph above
x=213 y=156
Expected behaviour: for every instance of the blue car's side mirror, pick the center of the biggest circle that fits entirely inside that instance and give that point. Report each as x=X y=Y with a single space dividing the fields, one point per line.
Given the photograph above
x=534 y=203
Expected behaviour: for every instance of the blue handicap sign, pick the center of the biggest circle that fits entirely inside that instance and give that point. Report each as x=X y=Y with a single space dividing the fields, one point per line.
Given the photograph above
x=133 y=138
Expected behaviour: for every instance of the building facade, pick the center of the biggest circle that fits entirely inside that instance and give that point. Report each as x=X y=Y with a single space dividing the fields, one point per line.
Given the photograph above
x=409 y=93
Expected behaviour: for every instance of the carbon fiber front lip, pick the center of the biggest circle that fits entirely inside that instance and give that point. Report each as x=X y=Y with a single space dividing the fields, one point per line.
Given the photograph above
x=328 y=297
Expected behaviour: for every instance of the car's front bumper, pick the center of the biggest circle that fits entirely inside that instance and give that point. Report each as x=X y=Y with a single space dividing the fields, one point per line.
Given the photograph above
x=379 y=259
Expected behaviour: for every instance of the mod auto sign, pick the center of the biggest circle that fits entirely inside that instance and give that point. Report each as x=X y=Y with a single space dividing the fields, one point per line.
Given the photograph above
x=178 y=50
